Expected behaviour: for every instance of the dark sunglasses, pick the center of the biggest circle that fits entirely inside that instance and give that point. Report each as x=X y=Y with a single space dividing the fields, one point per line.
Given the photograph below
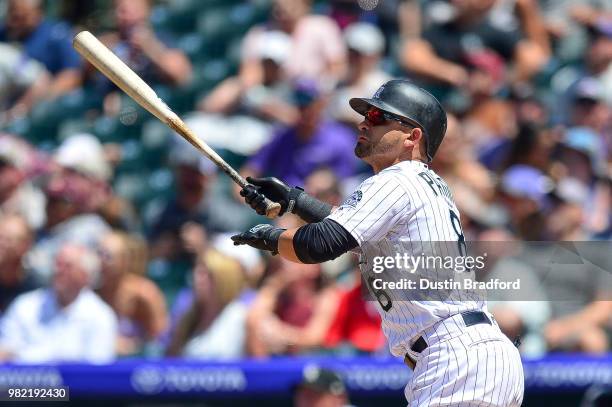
x=378 y=118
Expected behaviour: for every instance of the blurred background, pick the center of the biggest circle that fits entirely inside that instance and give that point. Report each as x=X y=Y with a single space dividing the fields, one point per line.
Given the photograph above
x=117 y=274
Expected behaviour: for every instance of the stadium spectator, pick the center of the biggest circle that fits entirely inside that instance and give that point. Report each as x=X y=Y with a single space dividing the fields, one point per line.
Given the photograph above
x=17 y=193
x=366 y=45
x=317 y=50
x=148 y=53
x=462 y=33
x=75 y=191
x=520 y=314
x=178 y=231
x=313 y=142
x=240 y=116
x=66 y=322
x=212 y=322
x=580 y=308
x=15 y=241
x=138 y=304
x=292 y=311
x=23 y=81
x=569 y=21
x=320 y=388
x=523 y=191
x=356 y=323
x=48 y=42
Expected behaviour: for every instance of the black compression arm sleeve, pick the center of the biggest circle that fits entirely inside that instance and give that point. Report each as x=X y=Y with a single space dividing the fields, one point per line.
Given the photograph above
x=310 y=209
x=322 y=241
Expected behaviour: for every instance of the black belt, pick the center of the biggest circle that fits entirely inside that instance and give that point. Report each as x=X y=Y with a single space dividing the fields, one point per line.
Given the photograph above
x=469 y=318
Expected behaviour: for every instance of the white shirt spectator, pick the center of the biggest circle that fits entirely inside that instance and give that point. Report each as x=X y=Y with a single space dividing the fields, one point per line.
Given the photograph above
x=35 y=329
x=213 y=343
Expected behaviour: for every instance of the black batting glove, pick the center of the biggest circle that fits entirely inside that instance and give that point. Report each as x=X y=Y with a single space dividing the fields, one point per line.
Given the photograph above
x=262 y=237
x=273 y=189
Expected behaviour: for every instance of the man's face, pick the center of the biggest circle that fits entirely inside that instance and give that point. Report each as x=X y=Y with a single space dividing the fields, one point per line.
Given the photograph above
x=68 y=193
x=22 y=16
x=379 y=137
x=131 y=13
x=112 y=254
x=70 y=277
x=14 y=238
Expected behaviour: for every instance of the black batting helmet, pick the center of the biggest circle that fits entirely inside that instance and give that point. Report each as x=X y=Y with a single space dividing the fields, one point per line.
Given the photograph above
x=415 y=105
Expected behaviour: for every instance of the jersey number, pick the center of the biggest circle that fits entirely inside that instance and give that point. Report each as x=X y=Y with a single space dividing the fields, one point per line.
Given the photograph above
x=459 y=231
x=382 y=297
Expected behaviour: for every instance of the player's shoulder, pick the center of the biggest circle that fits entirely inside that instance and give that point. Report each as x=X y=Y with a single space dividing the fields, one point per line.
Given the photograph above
x=405 y=173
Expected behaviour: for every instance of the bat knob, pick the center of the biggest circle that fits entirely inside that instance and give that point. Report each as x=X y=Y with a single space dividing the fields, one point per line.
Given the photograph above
x=272 y=209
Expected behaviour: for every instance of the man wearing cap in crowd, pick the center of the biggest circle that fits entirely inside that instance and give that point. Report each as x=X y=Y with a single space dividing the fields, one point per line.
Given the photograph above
x=76 y=189
x=313 y=142
x=177 y=228
x=238 y=114
x=320 y=387
x=366 y=45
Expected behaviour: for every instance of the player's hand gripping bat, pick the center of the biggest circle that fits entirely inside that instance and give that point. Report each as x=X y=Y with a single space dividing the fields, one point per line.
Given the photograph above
x=112 y=67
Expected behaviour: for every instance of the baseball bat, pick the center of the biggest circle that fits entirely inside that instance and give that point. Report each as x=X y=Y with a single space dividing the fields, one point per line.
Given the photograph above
x=127 y=80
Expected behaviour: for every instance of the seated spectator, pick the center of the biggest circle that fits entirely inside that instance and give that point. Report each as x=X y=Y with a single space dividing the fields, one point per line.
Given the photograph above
x=313 y=142
x=177 y=230
x=17 y=193
x=239 y=116
x=138 y=303
x=23 y=81
x=317 y=49
x=48 y=42
x=292 y=311
x=356 y=323
x=15 y=241
x=320 y=388
x=212 y=324
x=568 y=22
x=520 y=314
x=366 y=45
x=66 y=322
x=523 y=191
x=445 y=52
x=75 y=191
x=148 y=53
x=581 y=309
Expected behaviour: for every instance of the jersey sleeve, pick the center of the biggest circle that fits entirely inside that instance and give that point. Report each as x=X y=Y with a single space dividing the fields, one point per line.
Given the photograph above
x=373 y=209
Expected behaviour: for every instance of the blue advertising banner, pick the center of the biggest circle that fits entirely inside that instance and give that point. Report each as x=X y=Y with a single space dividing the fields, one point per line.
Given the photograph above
x=178 y=378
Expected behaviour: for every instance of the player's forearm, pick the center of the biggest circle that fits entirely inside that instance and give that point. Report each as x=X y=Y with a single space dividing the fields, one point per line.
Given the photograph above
x=419 y=58
x=285 y=246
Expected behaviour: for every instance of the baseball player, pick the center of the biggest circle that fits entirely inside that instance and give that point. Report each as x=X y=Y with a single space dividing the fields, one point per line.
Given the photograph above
x=457 y=352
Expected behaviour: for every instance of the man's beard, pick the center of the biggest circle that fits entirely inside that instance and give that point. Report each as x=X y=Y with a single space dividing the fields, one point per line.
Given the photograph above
x=363 y=150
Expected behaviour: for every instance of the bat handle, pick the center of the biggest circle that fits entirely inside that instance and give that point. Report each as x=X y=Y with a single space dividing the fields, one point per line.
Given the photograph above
x=272 y=208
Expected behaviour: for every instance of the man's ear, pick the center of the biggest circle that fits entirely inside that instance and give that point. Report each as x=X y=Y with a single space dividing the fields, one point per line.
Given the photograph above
x=414 y=138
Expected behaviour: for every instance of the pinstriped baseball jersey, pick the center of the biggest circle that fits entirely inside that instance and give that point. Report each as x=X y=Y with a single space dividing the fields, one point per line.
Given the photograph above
x=404 y=207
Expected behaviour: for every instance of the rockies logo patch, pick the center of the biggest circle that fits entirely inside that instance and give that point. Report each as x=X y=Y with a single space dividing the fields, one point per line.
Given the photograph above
x=353 y=200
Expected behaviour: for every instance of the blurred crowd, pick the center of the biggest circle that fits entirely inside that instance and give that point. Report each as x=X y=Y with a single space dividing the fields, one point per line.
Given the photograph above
x=114 y=233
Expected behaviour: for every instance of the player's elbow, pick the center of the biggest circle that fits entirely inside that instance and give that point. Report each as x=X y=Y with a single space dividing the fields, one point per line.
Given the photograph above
x=322 y=241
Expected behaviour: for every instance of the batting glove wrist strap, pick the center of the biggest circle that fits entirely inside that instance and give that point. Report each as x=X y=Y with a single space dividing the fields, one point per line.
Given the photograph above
x=262 y=237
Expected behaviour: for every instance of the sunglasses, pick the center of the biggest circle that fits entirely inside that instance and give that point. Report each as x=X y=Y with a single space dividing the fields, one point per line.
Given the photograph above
x=378 y=118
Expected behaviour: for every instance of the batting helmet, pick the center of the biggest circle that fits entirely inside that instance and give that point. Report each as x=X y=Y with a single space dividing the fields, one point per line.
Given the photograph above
x=415 y=105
